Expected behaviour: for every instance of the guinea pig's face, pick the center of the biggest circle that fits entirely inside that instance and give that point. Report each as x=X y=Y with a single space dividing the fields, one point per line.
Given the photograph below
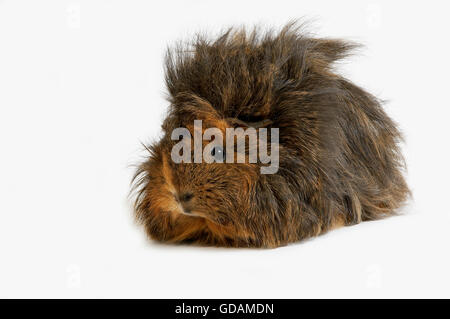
x=198 y=202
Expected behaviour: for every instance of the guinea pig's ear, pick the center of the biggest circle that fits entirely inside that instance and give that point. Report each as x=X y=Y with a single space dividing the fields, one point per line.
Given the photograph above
x=192 y=107
x=235 y=122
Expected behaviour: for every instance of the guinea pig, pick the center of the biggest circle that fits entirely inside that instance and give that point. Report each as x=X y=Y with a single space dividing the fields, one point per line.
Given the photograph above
x=338 y=156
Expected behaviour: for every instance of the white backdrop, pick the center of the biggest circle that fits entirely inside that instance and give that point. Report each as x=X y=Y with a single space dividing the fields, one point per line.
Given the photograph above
x=81 y=84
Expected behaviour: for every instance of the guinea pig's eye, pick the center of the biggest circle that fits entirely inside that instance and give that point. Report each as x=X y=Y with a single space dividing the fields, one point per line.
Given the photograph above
x=218 y=153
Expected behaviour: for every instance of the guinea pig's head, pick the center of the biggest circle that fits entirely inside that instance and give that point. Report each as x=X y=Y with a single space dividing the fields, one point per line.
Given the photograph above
x=206 y=201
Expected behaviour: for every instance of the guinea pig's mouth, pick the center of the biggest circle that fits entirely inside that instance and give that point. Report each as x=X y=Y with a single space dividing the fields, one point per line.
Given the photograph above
x=188 y=212
x=191 y=213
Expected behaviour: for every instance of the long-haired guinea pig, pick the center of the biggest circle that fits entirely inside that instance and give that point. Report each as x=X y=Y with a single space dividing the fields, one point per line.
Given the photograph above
x=339 y=161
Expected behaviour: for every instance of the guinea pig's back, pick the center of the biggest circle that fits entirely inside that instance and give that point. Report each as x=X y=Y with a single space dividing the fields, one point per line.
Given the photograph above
x=371 y=162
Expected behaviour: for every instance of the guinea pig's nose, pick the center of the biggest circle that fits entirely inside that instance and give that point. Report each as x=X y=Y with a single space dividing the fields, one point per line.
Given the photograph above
x=185 y=197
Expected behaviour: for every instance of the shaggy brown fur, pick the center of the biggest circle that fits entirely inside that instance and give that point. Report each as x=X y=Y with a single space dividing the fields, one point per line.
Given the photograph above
x=340 y=162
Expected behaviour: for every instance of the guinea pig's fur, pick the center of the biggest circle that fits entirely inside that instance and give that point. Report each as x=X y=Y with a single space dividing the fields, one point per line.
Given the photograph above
x=339 y=158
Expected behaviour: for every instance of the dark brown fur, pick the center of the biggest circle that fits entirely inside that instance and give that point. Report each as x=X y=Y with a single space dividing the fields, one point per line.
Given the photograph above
x=340 y=162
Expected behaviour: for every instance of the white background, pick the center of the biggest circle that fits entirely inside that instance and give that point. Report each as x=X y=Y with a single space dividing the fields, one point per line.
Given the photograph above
x=81 y=84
